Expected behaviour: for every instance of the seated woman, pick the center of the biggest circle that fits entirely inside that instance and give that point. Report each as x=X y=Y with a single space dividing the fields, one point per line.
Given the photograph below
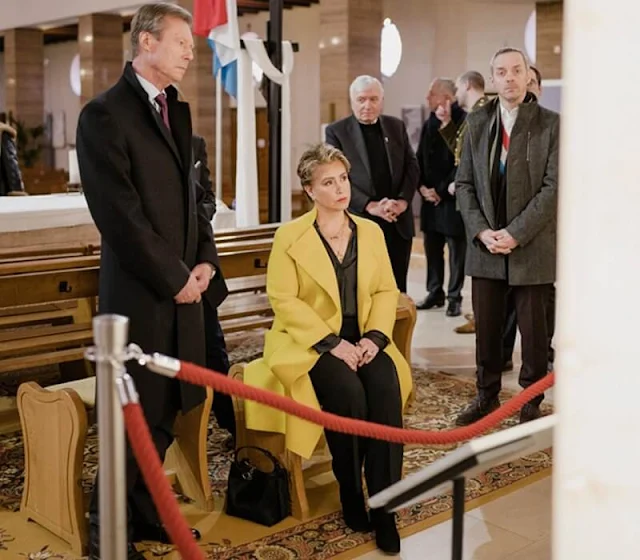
x=334 y=298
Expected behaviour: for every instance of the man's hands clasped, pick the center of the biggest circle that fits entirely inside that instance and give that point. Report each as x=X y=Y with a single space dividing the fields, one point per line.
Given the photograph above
x=499 y=242
x=387 y=209
x=197 y=284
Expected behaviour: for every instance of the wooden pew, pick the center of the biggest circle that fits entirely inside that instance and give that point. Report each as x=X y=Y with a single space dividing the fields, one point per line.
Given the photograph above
x=54 y=426
x=300 y=469
x=54 y=420
x=38 y=281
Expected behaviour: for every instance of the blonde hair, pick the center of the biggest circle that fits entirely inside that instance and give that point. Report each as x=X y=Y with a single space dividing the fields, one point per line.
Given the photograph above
x=320 y=154
x=150 y=18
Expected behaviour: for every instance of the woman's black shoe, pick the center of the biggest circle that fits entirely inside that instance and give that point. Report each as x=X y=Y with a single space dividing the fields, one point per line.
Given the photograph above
x=387 y=536
x=355 y=512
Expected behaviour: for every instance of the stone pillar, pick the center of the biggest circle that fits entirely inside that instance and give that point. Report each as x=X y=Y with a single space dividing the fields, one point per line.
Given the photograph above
x=101 y=54
x=24 y=75
x=199 y=90
x=350 y=33
x=596 y=454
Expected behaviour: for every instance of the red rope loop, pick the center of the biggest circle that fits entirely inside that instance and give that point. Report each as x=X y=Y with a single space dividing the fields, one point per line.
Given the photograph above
x=152 y=471
x=147 y=456
x=219 y=382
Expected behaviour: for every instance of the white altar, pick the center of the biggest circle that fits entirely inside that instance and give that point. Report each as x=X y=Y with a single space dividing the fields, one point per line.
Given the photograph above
x=28 y=213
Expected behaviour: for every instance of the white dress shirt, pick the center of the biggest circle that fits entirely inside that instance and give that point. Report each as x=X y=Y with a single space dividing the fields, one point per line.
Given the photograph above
x=152 y=91
x=508 y=117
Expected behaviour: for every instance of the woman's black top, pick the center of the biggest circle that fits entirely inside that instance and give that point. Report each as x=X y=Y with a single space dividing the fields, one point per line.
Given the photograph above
x=347 y=276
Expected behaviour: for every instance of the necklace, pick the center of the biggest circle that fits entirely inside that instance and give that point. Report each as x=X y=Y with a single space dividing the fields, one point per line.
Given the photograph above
x=338 y=242
x=338 y=234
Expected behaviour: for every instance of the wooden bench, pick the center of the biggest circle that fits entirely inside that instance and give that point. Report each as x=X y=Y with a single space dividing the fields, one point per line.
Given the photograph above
x=54 y=279
x=54 y=424
x=301 y=470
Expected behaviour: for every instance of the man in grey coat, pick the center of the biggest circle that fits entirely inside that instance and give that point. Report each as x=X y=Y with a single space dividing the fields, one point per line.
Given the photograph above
x=506 y=186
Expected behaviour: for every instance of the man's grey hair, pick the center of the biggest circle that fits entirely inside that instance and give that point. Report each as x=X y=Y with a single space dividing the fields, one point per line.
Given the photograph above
x=473 y=79
x=362 y=83
x=150 y=18
x=446 y=84
x=506 y=50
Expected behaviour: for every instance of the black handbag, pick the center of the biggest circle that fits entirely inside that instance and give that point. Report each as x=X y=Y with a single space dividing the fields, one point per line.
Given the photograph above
x=255 y=495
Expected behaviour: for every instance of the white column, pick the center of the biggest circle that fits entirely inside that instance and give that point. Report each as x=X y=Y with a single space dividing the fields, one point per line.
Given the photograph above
x=597 y=449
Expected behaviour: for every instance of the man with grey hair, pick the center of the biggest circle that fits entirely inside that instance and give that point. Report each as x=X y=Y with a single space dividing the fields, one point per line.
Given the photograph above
x=507 y=184
x=158 y=259
x=440 y=220
x=384 y=171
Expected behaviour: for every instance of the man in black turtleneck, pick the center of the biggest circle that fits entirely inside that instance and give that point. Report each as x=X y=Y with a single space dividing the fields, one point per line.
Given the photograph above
x=384 y=171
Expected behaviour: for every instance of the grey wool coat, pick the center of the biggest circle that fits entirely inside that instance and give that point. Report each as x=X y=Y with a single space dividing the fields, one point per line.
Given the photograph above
x=532 y=186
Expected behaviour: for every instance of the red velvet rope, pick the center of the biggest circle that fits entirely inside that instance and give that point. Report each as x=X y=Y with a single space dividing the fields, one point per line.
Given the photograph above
x=152 y=471
x=219 y=382
x=147 y=456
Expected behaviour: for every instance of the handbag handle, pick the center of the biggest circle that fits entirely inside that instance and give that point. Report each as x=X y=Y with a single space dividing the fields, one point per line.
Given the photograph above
x=268 y=454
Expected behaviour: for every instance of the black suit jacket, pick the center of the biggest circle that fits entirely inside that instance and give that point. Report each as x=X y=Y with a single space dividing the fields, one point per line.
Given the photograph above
x=347 y=136
x=137 y=177
x=437 y=171
x=202 y=175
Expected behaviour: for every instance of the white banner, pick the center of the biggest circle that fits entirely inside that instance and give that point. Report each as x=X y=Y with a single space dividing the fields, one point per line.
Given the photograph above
x=247 y=182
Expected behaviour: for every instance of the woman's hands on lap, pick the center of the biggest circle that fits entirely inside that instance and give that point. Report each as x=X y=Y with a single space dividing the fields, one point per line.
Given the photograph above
x=369 y=350
x=349 y=353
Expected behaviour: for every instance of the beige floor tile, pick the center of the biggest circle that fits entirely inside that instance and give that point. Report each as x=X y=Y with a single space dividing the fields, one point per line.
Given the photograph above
x=526 y=512
x=483 y=541
x=540 y=550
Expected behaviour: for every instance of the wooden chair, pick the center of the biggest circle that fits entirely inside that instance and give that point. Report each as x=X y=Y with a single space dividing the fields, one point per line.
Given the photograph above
x=302 y=470
x=54 y=427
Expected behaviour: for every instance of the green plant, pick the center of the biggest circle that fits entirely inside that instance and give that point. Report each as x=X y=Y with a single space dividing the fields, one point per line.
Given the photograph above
x=28 y=141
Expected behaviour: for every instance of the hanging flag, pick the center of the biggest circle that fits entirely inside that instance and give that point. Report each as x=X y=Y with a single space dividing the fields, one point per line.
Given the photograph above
x=217 y=20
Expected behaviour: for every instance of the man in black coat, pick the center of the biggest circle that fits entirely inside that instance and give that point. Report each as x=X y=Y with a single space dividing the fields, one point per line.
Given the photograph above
x=10 y=176
x=158 y=259
x=216 y=348
x=440 y=220
x=384 y=171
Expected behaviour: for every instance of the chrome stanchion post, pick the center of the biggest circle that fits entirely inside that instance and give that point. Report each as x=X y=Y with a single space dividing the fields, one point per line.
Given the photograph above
x=111 y=334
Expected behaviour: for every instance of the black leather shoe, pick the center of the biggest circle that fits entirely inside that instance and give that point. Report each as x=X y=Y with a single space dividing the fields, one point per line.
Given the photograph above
x=454 y=309
x=387 y=536
x=478 y=409
x=354 y=511
x=430 y=302
x=529 y=412
x=94 y=547
x=157 y=533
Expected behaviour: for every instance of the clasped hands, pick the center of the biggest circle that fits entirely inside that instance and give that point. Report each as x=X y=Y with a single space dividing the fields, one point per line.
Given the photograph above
x=356 y=355
x=499 y=242
x=430 y=195
x=197 y=284
x=387 y=209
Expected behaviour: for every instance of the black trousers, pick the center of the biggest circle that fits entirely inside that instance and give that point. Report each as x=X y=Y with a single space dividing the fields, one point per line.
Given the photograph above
x=217 y=359
x=434 y=243
x=399 y=250
x=489 y=307
x=373 y=393
x=511 y=326
x=140 y=507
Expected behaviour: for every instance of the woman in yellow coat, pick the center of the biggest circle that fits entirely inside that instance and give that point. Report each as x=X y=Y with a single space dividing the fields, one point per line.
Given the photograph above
x=334 y=298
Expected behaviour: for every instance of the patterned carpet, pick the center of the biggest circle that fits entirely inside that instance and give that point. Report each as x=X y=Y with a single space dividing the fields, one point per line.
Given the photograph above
x=439 y=398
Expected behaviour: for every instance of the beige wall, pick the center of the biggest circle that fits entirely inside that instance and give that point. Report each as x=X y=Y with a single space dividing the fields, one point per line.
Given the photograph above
x=446 y=38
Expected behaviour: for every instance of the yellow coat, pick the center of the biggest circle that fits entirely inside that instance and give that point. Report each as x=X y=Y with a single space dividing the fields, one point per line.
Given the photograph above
x=303 y=292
